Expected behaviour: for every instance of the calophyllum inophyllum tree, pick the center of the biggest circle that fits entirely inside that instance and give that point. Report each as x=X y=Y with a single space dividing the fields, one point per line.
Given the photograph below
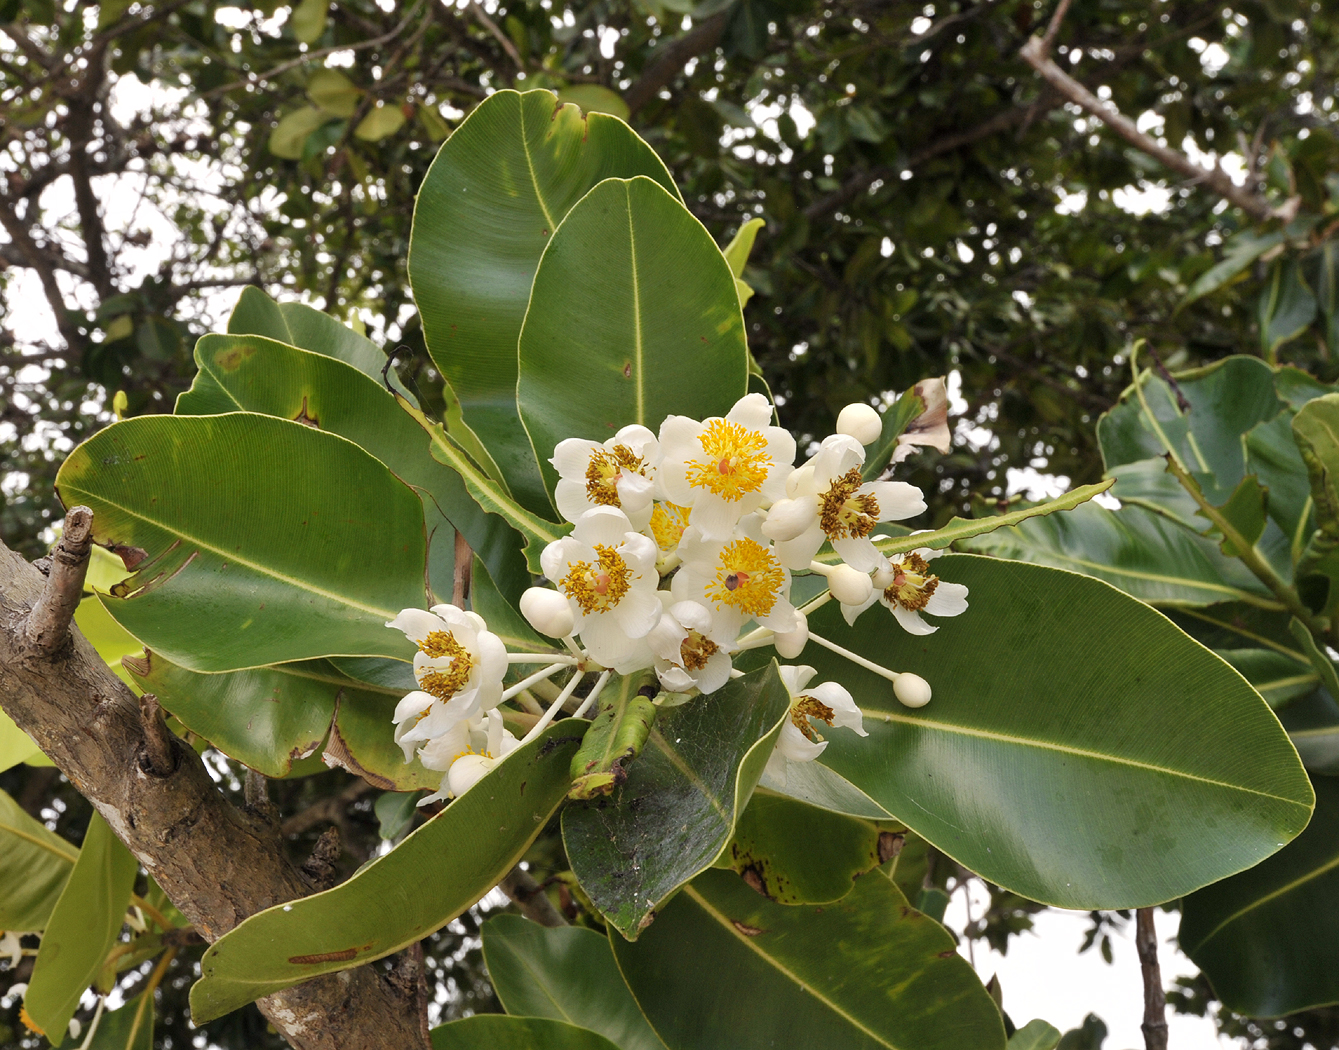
x=706 y=646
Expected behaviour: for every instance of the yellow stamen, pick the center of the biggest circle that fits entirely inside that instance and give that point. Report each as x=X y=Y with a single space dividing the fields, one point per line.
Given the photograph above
x=444 y=683
x=606 y=470
x=914 y=584
x=736 y=464
x=844 y=513
x=28 y=1022
x=696 y=651
x=668 y=521
x=805 y=708
x=600 y=587
x=748 y=578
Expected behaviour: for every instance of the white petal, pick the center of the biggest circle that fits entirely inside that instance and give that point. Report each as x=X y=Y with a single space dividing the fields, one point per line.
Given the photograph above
x=781 y=447
x=753 y=411
x=605 y=526
x=845 y=714
x=714 y=517
x=897 y=499
x=606 y=640
x=911 y=621
x=639 y=552
x=949 y=599
x=637 y=612
x=638 y=658
x=715 y=674
x=666 y=638
x=560 y=554
x=411 y=705
x=859 y=553
x=799 y=552
x=693 y=615
x=850 y=612
x=637 y=438
x=796 y=677
x=788 y=518
x=796 y=747
x=674 y=679
x=416 y=624
x=571 y=457
x=835 y=456
x=570 y=495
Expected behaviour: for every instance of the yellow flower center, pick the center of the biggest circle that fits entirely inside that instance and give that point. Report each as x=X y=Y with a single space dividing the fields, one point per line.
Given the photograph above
x=748 y=578
x=668 y=521
x=606 y=470
x=913 y=585
x=598 y=587
x=805 y=708
x=696 y=651
x=28 y=1022
x=736 y=461
x=444 y=682
x=844 y=513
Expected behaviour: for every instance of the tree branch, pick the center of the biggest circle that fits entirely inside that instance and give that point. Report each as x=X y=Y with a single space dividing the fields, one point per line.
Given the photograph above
x=529 y=896
x=1155 y=1000
x=665 y=66
x=217 y=863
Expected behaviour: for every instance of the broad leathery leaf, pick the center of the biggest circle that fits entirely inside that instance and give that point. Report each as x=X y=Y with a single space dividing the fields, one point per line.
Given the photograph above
x=290 y=135
x=499 y=1032
x=381 y=122
x=1277 y=677
x=1079 y=750
x=1268 y=939
x=308 y=20
x=1035 y=1035
x=593 y=98
x=566 y=973
x=1143 y=553
x=261 y=375
x=395 y=812
x=1316 y=431
x=359 y=742
x=1272 y=456
x=865 y=973
x=333 y=91
x=262 y=540
x=1320 y=660
x=1286 y=307
x=633 y=317
x=441 y=869
x=677 y=810
x=82 y=928
x=1238 y=254
x=794 y=853
x=1245 y=512
x=1313 y=727
x=34 y=865
x=487 y=208
x=1322 y=275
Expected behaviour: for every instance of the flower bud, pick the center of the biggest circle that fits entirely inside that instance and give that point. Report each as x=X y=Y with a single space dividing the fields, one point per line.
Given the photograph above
x=466 y=771
x=861 y=422
x=799 y=478
x=850 y=586
x=788 y=518
x=912 y=690
x=548 y=612
x=789 y=644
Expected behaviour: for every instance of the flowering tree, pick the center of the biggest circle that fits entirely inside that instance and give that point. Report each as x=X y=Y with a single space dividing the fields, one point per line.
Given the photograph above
x=606 y=589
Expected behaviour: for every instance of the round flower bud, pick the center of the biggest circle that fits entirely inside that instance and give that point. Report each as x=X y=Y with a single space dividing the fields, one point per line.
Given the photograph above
x=548 y=612
x=912 y=690
x=789 y=644
x=861 y=422
x=850 y=586
x=466 y=771
x=788 y=518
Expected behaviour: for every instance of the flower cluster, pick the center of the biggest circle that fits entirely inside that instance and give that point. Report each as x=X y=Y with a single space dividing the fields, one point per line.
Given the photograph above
x=683 y=553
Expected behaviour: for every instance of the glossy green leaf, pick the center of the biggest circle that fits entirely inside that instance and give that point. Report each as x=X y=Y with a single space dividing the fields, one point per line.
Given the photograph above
x=1277 y=677
x=1087 y=755
x=794 y=853
x=566 y=973
x=1245 y=512
x=34 y=864
x=274 y=379
x=593 y=98
x=1035 y=1035
x=1238 y=254
x=1313 y=727
x=1286 y=308
x=1316 y=431
x=1268 y=939
x=1272 y=456
x=1143 y=553
x=866 y=973
x=1322 y=276
x=486 y=210
x=329 y=547
x=741 y=246
x=308 y=20
x=633 y=317
x=504 y=619
x=395 y=812
x=499 y=1032
x=677 y=810
x=82 y=928
x=361 y=742
x=444 y=867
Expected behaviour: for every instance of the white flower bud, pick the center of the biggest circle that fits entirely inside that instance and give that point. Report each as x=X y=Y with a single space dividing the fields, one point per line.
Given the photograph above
x=912 y=690
x=466 y=771
x=799 y=478
x=76 y=1026
x=788 y=518
x=850 y=586
x=861 y=422
x=789 y=644
x=548 y=612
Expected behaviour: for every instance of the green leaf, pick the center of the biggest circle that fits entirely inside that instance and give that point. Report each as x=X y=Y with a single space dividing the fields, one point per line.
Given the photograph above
x=382 y=121
x=1035 y=1035
x=1322 y=275
x=487 y=208
x=395 y=812
x=616 y=736
x=593 y=98
x=1080 y=750
x=15 y=745
x=361 y=743
x=741 y=245
x=1320 y=662
x=444 y=867
x=1275 y=676
x=1313 y=727
x=1272 y=456
x=498 y=1032
x=677 y=810
x=332 y=395
x=1142 y=553
x=1286 y=308
x=1316 y=431
x=34 y=864
x=633 y=317
x=895 y=421
x=129 y=1027
x=1268 y=939
x=308 y=20
x=866 y=973
x=1238 y=254
x=289 y=137
x=330 y=548
x=795 y=853
x=333 y=91
x=1245 y=512
x=82 y=928
x=565 y=973
x=436 y=128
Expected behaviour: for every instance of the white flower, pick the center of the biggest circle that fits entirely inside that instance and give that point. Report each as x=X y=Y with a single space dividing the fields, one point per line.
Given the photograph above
x=459 y=667
x=906 y=586
x=618 y=473
x=861 y=422
x=608 y=572
x=931 y=426
x=740 y=579
x=799 y=741
x=687 y=656
x=466 y=754
x=828 y=500
x=11 y=948
x=724 y=468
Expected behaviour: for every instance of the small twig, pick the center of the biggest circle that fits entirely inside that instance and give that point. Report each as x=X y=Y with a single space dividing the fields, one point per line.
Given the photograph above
x=49 y=623
x=159 y=758
x=1166 y=376
x=1155 y=1001
x=529 y=896
x=1054 y=27
x=460 y=572
x=501 y=37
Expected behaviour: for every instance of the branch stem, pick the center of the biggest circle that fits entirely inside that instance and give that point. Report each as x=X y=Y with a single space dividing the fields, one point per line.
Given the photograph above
x=1155 y=1000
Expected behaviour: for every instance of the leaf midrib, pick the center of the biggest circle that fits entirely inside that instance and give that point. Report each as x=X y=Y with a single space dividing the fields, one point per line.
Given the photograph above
x=1050 y=745
x=689 y=774
x=638 y=372
x=1302 y=880
x=39 y=843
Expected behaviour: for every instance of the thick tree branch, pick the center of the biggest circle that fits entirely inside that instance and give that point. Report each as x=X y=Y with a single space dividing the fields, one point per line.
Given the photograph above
x=33 y=257
x=48 y=625
x=665 y=66
x=217 y=863
x=1217 y=180
x=1155 y=1000
x=529 y=896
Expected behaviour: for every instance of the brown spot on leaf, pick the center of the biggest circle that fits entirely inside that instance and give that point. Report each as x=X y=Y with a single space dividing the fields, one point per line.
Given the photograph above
x=138 y=665
x=754 y=877
x=130 y=556
x=948 y=953
x=337 y=753
x=231 y=358
x=890 y=845
x=746 y=929
x=340 y=956
x=304 y=418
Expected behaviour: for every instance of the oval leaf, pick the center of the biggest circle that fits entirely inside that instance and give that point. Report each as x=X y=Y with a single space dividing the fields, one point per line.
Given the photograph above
x=498 y=1032
x=34 y=864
